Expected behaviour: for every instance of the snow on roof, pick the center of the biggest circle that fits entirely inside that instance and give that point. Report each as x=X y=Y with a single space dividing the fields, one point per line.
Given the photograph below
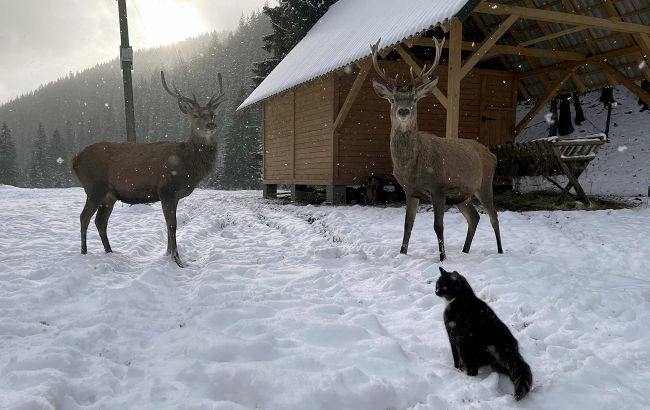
x=344 y=34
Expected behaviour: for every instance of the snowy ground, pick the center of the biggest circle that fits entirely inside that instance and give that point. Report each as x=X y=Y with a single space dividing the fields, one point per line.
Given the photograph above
x=287 y=307
x=622 y=166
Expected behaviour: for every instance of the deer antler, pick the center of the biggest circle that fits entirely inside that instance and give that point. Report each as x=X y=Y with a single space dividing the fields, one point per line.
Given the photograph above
x=217 y=100
x=176 y=93
x=382 y=73
x=425 y=74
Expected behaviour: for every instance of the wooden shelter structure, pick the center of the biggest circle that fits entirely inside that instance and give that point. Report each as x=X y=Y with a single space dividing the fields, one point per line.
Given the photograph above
x=324 y=125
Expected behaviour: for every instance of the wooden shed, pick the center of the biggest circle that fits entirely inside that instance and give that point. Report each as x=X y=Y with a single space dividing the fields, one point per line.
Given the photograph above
x=324 y=125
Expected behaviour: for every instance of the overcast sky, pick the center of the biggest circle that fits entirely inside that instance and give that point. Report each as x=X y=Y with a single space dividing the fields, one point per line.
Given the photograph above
x=42 y=40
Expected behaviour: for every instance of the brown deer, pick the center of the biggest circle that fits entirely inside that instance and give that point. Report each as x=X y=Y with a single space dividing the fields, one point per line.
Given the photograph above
x=146 y=173
x=448 y=171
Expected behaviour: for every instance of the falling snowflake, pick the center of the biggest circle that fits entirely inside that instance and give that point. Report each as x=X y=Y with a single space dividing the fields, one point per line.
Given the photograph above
x=347 y=70
x=622 y=148
x=642 y=64
x=60 y=160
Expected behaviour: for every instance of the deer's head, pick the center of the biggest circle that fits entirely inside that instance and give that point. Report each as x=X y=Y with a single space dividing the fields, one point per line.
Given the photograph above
x=403 y=98
x=203 y=125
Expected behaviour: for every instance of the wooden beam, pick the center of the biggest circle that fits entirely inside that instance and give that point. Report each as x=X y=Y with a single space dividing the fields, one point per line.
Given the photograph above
x=409 y=58
x=558 y=17
x=354 y=92
x=555 y=86
x=499 y=49
x=453 y=77
x=629 y=84
x=552 y=36
x=484 y=30
x=588 y=60
x=487 y=44
x=534 y=52
x=522 y=90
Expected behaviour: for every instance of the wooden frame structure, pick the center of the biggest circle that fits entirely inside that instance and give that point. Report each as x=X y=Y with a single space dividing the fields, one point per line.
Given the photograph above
x=333 y=131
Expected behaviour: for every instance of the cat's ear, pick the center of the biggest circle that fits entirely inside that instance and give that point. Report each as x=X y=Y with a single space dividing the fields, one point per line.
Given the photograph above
x=442 y=271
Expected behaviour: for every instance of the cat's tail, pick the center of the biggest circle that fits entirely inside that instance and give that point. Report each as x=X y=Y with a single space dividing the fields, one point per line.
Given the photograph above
x=518 y=370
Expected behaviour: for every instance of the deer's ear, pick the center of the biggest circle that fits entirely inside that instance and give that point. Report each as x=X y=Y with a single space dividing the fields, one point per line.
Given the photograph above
x=426 y=89
x=186 y=108
x=382 y=90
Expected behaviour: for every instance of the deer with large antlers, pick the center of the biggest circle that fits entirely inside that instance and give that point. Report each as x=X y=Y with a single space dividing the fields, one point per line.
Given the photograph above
x=448 y=171
x=146 y=173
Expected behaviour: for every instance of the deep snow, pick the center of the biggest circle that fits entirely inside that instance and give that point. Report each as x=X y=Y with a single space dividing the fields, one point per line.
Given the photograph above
x=304 y=307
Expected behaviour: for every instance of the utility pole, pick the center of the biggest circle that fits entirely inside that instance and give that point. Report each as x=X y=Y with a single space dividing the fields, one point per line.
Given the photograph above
x=126 y=57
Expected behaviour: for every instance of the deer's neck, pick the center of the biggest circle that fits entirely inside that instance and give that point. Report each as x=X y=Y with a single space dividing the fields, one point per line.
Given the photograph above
x=403 y=144
x=202 y=156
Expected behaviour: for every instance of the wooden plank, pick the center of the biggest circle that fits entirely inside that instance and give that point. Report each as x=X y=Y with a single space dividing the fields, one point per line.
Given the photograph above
x=354 y=91
x=630 y=85
x=556 y=85
x=552 y=36
x=453 y=77
x=558 y=17
x=588 y=60
x=487 y=45
x=533 y=52
x=409 y=58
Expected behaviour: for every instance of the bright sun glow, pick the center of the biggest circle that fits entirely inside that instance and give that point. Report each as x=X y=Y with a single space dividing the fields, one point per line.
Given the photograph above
x=166 y=21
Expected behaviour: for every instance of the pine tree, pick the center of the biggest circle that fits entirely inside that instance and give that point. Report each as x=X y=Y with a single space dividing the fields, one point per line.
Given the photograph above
x=242 y=166
x=291 y=20
x=8 y=158
x=58 y=162
x=69 y=139
x=39 y=170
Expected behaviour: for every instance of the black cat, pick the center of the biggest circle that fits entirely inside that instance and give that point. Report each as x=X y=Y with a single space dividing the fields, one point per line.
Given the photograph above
x=477 y=336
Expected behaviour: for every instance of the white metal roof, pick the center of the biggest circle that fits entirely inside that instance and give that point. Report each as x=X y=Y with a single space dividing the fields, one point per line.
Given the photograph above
x=344 y=34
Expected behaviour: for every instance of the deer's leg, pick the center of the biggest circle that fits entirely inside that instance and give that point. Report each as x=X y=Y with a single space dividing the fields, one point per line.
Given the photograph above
x=169 y=210
x=86 y=215
x=487 y=200
x=469 y=212
x=411 y=210
x=101 y=222
x=438 y=227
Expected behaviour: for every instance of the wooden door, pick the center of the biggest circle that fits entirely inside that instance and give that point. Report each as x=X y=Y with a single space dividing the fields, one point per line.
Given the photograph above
x=496 y=125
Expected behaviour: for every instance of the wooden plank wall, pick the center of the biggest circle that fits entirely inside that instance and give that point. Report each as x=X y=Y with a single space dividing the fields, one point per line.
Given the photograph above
x=298 y=135
x=278 y=139
x=313 y=132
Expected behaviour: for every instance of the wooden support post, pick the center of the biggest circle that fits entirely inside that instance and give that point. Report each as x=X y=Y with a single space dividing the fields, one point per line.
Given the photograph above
x=555 y=86
x=269 y=191
x=335 y=194
x=487 y=44
x=298 y=193
x=453 y=77
x=409 y=58
x=629 y=84
x=354 y=92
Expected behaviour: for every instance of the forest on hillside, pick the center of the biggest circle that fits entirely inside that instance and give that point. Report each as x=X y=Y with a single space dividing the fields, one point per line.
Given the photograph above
x=42 y=130
x=48 y=126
